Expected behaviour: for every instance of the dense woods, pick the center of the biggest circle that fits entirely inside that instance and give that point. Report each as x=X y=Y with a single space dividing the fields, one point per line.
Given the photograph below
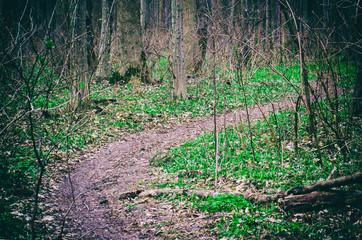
x=78 y=74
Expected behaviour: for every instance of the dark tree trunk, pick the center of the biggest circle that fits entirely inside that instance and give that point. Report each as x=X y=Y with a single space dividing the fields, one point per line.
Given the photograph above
x=91 y=55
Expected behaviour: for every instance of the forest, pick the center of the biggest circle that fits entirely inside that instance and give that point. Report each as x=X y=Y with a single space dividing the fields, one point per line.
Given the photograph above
x=180 y=119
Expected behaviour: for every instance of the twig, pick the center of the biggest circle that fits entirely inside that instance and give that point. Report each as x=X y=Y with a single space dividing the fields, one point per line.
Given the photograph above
x=85 y=234
x=332 y=173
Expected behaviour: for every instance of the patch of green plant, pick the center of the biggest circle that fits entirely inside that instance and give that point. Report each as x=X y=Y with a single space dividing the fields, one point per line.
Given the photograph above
x=276 y=164
x=222 y=203
x=271 y=163
x=271 y=224
x=255 y=222
x=145 y=106
x=153 y=105
x=12 y=227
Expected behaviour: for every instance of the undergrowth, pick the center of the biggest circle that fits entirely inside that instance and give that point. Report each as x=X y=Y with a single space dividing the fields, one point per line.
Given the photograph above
x=276 y=167
x=139 y=107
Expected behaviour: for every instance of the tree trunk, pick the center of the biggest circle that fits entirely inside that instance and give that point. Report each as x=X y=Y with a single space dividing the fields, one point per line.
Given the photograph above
x=83 y=66
x=357 y=98
x=231 y=29
x=1 y=9
x=277 y=36
x=79 y=87
x=104 y=44
x=129 y=35
x=91 y=55
x=202 y=31
x=161 y=15
x=357 y=93
x=179 y=58
x=128 y=55
x=143 y=16
x=192 y=50
x=267 y=25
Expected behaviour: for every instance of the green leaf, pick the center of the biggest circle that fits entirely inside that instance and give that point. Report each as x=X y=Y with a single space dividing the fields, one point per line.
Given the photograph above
x=41 y=59
x=49 y=44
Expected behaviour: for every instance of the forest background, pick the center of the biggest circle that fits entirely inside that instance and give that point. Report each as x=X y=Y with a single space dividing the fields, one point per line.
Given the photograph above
x=76 y=74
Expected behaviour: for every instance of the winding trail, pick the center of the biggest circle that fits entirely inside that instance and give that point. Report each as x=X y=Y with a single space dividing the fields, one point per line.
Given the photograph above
x=120 y=167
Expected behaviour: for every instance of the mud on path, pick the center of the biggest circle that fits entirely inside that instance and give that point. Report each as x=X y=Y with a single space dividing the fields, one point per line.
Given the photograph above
x=123 y=166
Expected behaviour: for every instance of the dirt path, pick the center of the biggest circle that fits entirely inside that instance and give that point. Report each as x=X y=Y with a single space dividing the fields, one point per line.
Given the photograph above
x=120 y=167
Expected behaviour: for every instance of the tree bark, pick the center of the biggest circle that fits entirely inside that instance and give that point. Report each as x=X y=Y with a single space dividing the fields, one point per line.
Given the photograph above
x=79 y=87
x=357 y=92
x=179 y=55
x=328 y=184
x=161 y=15
x=267 y=25
x=129 y=35
x=103 y=70
x=143 y=17
x=192 y=50
x=91 y=54
x=202 y=31
x=315 y=200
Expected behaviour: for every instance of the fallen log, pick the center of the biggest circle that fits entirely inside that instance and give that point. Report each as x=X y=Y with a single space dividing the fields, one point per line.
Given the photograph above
x=184 y=192
x=130 y=195
x=328 y=184
x=315 y=200
x=103 y=101
x=299 y=198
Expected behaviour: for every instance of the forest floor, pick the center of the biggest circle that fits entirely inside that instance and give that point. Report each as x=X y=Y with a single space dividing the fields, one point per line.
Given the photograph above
x=99 y=179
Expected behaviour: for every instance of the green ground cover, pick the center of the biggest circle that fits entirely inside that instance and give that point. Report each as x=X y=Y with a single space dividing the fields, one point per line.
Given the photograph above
x=141 y=107
x=276 y=167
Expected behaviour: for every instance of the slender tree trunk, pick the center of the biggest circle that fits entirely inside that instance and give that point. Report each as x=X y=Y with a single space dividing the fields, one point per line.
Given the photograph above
x=113 y=34
x=79 y=87
x=202 y=32
x=143 y=16
x=357 y=96
x=168 y=14
x=91 y=55
x=231 y=15
x=161 y=15
x=104 y=44
x=216 y=139
x=1 y=9
x=305 y=83
x=231 y=30
x=267 y=24
x=179 y=57
x=357 y=93
x=277 y=37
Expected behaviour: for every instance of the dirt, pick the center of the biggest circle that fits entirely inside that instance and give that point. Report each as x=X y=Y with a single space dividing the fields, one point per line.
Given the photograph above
x=123 y=166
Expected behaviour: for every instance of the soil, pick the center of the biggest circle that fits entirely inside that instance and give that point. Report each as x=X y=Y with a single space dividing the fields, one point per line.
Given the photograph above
x=122 y=167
